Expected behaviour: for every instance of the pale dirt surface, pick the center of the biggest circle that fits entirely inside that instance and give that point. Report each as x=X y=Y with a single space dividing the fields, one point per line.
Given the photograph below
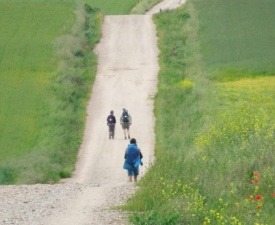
x=126 y=77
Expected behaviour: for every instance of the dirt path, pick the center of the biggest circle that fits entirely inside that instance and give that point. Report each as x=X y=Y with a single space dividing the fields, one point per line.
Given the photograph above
x=126 y=78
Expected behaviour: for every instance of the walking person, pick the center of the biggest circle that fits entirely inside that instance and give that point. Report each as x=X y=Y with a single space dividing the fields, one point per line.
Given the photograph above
x=126 y=121
x=132 y=158
x=111 y=122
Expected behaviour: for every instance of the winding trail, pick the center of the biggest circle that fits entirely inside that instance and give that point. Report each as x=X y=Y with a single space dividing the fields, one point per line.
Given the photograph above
x=126 y=78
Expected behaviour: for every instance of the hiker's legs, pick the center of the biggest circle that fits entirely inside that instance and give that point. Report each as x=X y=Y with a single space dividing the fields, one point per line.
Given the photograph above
x=111 y=130
x=130 y=175
x=128 y=131
x=136 y=172
x=124 y=131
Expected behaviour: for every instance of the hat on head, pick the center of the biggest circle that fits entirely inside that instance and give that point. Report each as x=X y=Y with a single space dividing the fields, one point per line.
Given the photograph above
x=133 y=141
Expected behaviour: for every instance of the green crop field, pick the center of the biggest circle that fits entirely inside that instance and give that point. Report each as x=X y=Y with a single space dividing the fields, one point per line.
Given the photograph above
x=241 y=39
x=215 y=123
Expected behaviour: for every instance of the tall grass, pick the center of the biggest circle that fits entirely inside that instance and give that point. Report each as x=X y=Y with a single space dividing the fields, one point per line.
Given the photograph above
x=214 y=141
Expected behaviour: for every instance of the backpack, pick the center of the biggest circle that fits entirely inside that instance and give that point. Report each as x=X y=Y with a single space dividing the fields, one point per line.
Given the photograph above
x=111 y=119
x=125 y=117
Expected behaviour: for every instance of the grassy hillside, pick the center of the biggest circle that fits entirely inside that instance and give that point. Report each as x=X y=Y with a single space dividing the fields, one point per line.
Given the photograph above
x=214 y=140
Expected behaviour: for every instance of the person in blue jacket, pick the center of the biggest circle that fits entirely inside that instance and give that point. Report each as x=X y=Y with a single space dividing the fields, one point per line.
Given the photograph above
x=132 y=153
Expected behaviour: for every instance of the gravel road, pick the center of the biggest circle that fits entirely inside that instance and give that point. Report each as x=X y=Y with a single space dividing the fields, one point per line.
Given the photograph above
x=126 y=77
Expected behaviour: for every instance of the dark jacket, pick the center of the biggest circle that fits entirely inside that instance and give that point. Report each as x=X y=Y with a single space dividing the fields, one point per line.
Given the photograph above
x=111 y=119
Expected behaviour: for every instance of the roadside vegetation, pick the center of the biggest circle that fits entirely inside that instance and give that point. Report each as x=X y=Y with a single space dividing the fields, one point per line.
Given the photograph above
x=215 y=129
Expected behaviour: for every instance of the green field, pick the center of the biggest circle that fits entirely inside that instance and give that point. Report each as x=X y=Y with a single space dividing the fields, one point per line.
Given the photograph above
x=241 y=39
x=215 y=117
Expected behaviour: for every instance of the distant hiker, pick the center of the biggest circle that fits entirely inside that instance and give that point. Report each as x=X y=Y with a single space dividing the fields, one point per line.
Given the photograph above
x=126 y=121
x=111 y=122
x=132 y=161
